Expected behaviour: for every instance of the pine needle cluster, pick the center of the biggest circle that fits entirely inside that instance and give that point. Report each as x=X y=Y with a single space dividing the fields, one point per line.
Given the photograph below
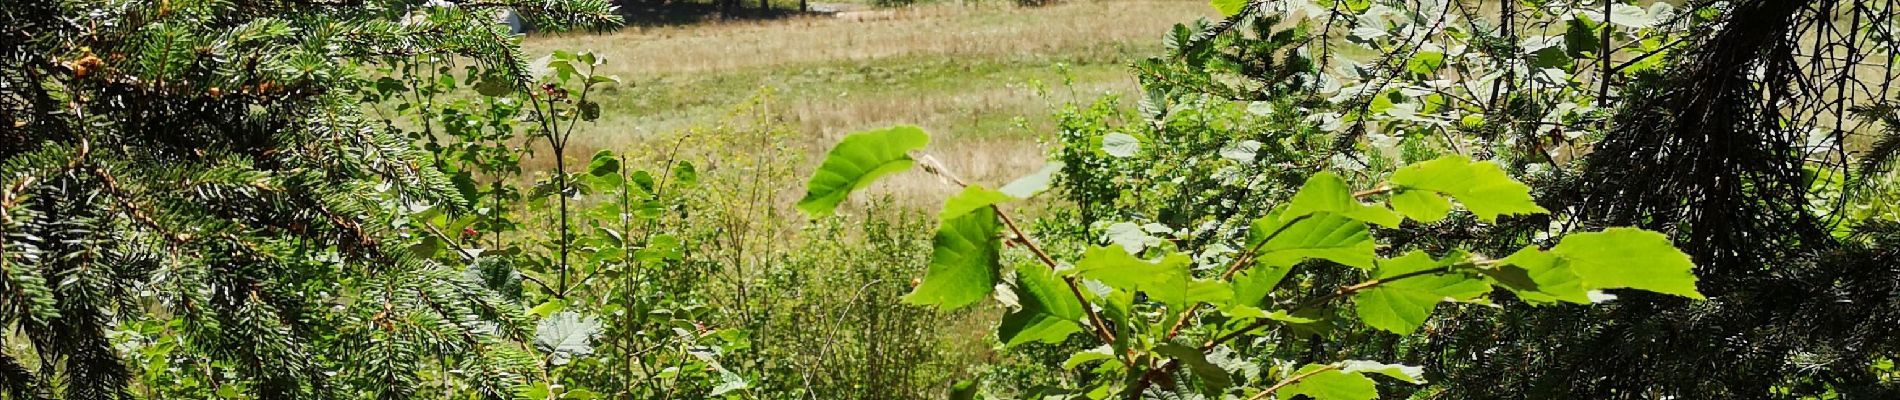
x=200 y=167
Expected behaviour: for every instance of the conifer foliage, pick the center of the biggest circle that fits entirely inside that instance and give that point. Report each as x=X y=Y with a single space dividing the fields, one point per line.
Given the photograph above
x=196 y=174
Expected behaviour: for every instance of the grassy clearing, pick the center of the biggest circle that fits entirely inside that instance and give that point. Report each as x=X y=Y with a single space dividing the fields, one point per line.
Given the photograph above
x=980 y=77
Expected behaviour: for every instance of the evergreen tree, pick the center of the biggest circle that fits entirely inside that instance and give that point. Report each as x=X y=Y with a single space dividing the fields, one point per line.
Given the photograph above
x=200 y=167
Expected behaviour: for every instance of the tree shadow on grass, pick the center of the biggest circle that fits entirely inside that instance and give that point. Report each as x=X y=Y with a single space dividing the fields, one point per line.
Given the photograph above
x=656 y=13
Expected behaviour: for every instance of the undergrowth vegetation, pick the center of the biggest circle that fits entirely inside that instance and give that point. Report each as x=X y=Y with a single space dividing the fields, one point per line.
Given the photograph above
x=1327 y=200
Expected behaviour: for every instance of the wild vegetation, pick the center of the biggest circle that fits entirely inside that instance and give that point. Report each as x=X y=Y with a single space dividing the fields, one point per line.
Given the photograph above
x=1277 y=199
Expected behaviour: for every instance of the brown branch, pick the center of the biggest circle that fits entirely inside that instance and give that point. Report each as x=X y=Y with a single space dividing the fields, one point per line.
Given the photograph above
x=1148 y=377
x=1247 y=256
x=1292 y=380
x=1096 y=322
x=1322 y=300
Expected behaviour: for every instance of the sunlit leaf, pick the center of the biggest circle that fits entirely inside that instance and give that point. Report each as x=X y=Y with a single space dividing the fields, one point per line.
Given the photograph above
x=1049 y=313
x=1551 y=279
x=1120 y=145
x=963 y=261
x=1164 y=280
x=1629 y=258
x=972 y=198
x=1036 y=182
x=1330 y=385
x=1407 y=373
x=1251 y=286
x=565 y=336
x=858 y=160
x=1482 y=186
x=1229 y=7
x=1421 y=205
x=1401 y=305
x=1324 y=235
x=1327 y=192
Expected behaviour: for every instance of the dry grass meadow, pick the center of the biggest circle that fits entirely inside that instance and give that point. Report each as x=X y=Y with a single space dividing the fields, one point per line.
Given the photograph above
x=981 y=77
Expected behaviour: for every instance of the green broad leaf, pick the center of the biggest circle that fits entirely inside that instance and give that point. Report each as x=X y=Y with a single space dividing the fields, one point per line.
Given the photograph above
x=1030 y=185
x=1629 y=258
x=963 y=262
x=1358 y=6
x=1396 y=311
x=1132 y=237
x=1551 y=279
x=548 y=308
x=1331 y=385
x=1482 y=186
x=972 y=198
x=1083 y=357
x=1283 y=316
x=1381 y=102
x=1229 y=7
x=1243 y=311
x=1212 y=376
x=1049 y=312
x=685 y=174
x=965 y=390
x=1425 y=62
x=858 y=160
x=1421 y=205
x=1209 y=291
x=566 y=335
x=1402 y=305
x=604 y=163
x=1165 y=280
x=1407 y=373
x=1252 y=286
x=1322 y=235
x=1120 y=145
x=1327 y=192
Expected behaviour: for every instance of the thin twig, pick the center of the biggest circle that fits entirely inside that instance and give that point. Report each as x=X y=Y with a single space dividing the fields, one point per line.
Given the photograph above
x=1095 y=319
x=1292 y=380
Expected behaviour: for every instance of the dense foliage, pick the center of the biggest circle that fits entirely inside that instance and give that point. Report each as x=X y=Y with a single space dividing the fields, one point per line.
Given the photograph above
x=1711 y=121
x=1308 y=199
x=1157 y=312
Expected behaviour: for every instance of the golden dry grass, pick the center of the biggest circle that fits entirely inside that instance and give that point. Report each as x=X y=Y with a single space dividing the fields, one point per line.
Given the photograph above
x=966 y=73
x=977 y=31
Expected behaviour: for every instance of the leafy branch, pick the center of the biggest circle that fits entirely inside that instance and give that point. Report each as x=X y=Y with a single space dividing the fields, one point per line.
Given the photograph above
x=1324 y=220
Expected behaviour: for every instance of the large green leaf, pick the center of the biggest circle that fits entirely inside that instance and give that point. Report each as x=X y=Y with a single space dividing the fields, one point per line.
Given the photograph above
x=857 y=161
x=972 y=198
x=1482 y=186
x=1407 y=373
x=1322 y=235
x=1165 y=280
x=1550 y=278
x=963 y=261
x=1120 y=145
x=1401 y=305
x=1229 y=7
x=1331 y=385
x=1049 y=311
x=1252 y=286
x=1421 y=205
x=1036 y=182
x=1327 y=192
x=1629 y=258
x=565 y=336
